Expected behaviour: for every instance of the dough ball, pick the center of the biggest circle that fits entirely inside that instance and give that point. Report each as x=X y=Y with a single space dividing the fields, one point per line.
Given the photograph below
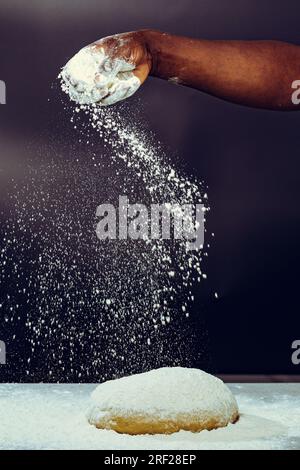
x=163 y=401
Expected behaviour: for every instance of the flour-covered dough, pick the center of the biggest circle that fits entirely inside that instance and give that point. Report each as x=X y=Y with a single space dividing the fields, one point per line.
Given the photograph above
x=163 y=401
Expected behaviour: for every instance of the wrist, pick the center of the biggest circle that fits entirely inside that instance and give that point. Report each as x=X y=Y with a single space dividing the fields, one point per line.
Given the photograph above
x=152 y=40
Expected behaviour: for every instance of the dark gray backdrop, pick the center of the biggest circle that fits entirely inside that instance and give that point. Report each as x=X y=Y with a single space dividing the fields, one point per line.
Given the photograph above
x=249 y=158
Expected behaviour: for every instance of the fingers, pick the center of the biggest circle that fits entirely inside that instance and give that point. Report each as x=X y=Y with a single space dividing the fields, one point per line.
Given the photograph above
x=92 y=76
x=108 y=69
x=81 y=92
x=118 y=78
x=142 y=71
x=121 y=89
x=78 y=76
x=126 y=83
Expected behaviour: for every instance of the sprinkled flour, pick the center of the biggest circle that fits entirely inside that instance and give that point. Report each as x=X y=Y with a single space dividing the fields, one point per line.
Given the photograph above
x=162 y=183
x=176 y=269
x=94 y=310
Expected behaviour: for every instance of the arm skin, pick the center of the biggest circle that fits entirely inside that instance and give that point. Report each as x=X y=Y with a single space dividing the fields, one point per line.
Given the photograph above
x=251 y=73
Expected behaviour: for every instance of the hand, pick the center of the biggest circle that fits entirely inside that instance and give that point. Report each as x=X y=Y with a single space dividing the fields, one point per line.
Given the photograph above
x=108 y=70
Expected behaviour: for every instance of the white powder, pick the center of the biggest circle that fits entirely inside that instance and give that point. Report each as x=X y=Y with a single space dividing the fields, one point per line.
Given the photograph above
x=52 y=416
x=135 y=147
x=93 y=77
x=146 y=160
x=94 y=310
x=166 y=393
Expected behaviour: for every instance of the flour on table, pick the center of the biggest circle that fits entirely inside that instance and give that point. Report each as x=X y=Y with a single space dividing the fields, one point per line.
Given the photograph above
x=164 y=400
x=270 y=416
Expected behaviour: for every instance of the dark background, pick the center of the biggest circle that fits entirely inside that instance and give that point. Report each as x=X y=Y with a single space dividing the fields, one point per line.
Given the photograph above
x=248 y=158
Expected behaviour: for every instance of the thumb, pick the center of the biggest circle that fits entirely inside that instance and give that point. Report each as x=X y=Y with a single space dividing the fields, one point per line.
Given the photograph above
x=142 y=71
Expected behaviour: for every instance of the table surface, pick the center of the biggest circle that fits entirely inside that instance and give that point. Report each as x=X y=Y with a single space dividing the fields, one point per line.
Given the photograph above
x=53 y=416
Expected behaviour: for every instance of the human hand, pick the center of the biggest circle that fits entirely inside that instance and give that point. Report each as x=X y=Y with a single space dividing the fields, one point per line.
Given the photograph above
x=109 y=70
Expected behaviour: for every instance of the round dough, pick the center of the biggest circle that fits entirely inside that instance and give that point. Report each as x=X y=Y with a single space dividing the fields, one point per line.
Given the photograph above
x=163 y=401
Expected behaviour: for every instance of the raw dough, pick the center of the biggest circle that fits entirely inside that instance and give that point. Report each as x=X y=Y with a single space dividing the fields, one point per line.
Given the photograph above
x=163 y=401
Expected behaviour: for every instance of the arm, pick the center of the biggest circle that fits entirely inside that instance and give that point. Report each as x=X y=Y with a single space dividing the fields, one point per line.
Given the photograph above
x=252 y=73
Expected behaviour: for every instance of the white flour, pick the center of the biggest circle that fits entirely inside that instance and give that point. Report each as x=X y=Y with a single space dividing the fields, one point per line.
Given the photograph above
x=93 y=310
x=45 y=416
x=165 y=393
x=177 y=269
x=93 y=77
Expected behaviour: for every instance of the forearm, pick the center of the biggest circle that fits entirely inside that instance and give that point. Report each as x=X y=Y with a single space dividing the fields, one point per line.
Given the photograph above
x=253 y=73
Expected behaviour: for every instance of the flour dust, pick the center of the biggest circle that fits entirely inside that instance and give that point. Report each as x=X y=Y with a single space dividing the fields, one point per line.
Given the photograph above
x=92 y=310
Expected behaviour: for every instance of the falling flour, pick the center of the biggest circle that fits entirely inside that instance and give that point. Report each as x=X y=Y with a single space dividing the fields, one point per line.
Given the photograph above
x=178 y=267
x=93 y=310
